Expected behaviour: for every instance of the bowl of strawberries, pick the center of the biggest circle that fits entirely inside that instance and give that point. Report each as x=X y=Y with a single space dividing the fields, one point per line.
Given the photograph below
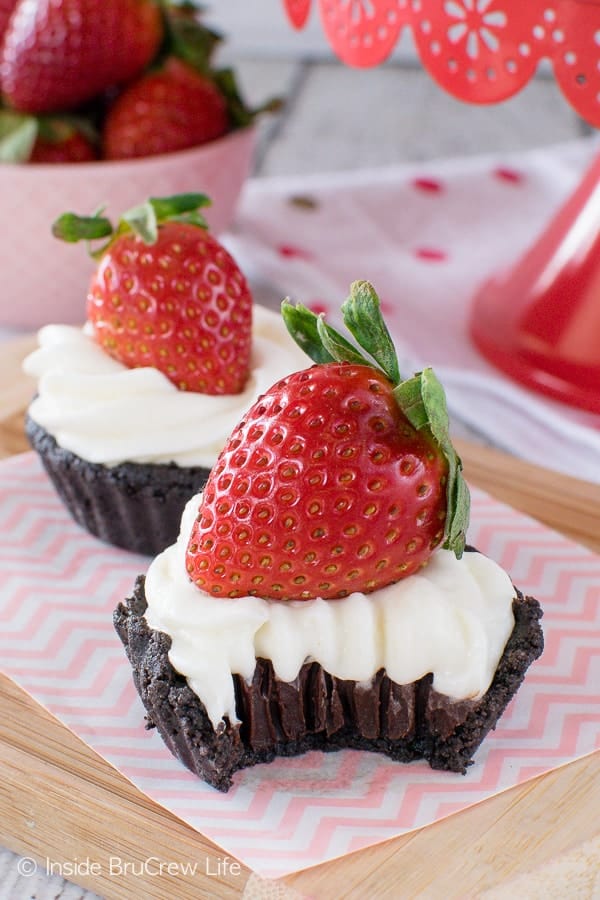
x=108 y=99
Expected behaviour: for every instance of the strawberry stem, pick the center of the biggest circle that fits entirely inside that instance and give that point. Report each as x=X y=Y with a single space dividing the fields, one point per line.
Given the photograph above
x=144 y=220
x=421 y=398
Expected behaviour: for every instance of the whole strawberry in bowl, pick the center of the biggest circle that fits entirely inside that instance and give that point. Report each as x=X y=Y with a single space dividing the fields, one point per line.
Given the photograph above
x=84 y=120
x=56 y=56
x=320 y=594
x=171 y=108
x=132 y=410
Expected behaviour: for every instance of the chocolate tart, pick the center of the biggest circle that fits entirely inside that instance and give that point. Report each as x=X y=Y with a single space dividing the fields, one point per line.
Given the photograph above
x=318 y=711
x=136 y=506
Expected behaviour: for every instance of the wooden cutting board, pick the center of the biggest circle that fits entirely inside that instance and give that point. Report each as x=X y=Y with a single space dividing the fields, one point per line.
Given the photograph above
x=61 y=801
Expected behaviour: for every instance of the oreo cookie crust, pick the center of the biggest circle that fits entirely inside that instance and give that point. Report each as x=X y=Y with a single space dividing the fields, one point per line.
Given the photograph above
x=136 y=506
x=318 y=711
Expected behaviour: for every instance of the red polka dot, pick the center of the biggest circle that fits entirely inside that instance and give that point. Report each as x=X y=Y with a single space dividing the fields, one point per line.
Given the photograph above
x=509 y=175
x=431 y=254
x=318 y=306
x=291 y=252
x=428 y=185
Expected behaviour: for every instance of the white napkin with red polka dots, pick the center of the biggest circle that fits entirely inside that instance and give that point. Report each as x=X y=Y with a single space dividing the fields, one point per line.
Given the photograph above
x=427 y=235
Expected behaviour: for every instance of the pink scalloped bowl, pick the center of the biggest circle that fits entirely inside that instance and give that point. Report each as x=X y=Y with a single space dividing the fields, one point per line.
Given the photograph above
x=44 y=280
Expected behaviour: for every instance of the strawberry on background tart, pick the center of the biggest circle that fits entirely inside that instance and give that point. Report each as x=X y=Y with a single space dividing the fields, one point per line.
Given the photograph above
x=112 y=80
x=320 y=594
x=132 y=410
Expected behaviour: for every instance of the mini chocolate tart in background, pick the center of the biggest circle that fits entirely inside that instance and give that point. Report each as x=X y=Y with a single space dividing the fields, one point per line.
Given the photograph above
x=136 y=506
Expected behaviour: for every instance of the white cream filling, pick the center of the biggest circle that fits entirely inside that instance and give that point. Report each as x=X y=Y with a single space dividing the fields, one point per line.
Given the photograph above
x=452 y=619
x=107 y=413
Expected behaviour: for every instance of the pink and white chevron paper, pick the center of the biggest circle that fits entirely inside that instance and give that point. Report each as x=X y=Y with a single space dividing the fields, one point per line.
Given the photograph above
x=58 y=587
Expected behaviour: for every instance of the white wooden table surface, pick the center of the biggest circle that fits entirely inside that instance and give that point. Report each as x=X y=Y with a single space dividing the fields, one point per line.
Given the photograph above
x=335 y=119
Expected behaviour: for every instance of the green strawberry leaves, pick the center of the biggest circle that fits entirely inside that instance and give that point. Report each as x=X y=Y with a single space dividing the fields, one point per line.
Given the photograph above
x=421 y=398
x=336 y=345
x=179 y=206
x=240 y=114
x=18 y=133
x=72 y=228
x=144 y=220
x=423 y=402
x=318 y=339
x=189 y=39
x=363 y=319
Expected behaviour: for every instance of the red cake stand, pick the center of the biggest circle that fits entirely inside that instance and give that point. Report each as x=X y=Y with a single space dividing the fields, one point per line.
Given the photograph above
x=540 y=321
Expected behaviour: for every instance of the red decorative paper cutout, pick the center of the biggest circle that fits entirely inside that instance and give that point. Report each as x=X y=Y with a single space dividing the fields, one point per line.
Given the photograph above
x=297 y=11
x=481 y=51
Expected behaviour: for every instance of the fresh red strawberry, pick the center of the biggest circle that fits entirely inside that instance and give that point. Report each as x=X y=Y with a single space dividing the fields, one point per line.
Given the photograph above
x=6 y=9
x=340 y=478
x=58 y=141
x=45 y=139
x=168 y=295
x=168 y=109
x=73 y=149
x=58 y=55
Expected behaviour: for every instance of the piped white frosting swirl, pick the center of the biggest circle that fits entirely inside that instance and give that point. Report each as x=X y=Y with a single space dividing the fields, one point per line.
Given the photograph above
x=452 y=619
x=107 y=413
